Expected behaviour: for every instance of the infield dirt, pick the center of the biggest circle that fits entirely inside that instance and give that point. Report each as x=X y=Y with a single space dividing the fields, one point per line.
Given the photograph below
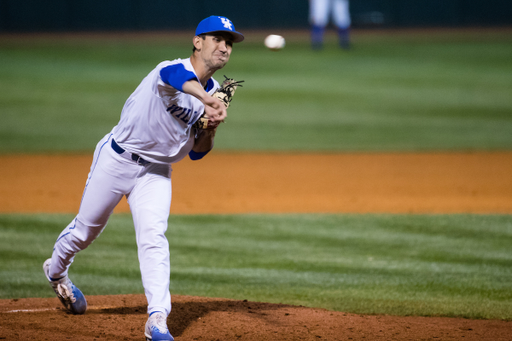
x=277 y=183
x=263 y=183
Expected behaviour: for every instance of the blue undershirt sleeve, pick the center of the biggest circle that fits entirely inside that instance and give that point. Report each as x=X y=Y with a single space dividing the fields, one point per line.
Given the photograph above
x=196 y=156
x=176 y=75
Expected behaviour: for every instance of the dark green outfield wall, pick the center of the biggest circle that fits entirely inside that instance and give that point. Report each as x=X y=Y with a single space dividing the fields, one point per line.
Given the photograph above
x=79 y=15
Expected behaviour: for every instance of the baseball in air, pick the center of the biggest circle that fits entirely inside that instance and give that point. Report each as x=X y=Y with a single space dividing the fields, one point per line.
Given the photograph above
x=274 y=42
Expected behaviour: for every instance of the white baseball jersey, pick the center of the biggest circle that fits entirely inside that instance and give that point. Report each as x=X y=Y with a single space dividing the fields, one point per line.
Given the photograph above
x=156 y=120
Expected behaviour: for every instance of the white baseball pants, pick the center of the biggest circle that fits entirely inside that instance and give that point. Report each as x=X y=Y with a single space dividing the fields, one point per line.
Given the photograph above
x=320 y=9
x=148 y=190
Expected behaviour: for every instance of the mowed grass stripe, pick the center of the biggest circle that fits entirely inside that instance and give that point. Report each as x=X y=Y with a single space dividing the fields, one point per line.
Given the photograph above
x=446 y=265
x=391 y=92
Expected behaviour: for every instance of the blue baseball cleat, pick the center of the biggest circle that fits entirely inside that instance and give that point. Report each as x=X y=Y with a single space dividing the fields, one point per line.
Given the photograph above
x=156 y=328
x=70 y=296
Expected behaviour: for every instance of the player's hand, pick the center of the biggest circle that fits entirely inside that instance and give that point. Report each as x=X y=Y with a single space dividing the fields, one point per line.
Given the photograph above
x=214 y=109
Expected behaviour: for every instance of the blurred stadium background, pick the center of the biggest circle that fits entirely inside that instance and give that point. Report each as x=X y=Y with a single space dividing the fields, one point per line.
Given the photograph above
x=79 y=15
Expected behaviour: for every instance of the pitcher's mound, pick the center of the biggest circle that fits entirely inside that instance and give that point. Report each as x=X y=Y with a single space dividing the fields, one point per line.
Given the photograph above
x=122 y=317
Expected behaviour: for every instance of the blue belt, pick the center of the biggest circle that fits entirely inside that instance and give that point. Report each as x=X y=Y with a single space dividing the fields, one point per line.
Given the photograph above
x=117 y=148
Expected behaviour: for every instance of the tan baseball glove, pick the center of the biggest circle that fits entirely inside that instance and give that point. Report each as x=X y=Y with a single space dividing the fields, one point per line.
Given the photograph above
x=225 y=94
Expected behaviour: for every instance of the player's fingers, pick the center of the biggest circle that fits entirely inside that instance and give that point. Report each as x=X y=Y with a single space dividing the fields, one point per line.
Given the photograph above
x=223 y=112
x=219 y=118
x=223 y=115
x=216 y=111
x=216 y=114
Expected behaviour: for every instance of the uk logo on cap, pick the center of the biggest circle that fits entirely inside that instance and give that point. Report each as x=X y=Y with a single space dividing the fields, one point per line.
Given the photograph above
x=227 y=23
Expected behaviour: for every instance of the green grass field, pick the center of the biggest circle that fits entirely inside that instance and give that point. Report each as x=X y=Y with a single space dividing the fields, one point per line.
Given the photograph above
x=448 y=265
x=392 y=92
x=447 y=91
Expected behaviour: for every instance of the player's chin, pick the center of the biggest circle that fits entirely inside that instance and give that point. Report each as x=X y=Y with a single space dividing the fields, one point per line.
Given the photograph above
x=221 y=62
x=218 y=66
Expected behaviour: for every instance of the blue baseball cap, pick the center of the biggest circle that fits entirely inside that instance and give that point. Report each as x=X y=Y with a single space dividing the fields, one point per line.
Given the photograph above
x=218 y=24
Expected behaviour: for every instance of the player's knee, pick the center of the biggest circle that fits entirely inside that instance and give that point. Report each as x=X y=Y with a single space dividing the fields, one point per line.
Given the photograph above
x=79 y=235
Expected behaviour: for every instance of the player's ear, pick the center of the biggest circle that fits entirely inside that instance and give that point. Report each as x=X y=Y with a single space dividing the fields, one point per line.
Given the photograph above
x=197 y=41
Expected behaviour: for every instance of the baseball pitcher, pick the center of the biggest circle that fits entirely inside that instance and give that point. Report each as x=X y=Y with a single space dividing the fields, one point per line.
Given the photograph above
x=173 y=113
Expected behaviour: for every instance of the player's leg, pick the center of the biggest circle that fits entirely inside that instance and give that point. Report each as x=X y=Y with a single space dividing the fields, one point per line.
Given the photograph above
x=79 y=234
x=150 y=203
x=110 y=177
x=318 y=18
x=341 y=15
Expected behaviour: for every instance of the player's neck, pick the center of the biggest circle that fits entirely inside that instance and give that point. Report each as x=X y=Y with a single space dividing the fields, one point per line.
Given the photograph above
x=203 y=72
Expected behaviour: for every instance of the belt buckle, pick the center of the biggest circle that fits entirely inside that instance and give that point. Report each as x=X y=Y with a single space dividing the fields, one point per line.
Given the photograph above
x=138 y=159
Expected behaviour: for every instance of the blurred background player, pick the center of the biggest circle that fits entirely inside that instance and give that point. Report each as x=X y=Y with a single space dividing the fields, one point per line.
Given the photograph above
x=319 y=14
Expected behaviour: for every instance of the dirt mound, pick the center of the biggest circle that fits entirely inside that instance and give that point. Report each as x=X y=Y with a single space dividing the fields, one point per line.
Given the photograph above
x=122 y=317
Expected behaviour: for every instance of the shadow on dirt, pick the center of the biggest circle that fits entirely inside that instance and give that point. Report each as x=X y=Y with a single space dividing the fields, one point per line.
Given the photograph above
x=185 y=313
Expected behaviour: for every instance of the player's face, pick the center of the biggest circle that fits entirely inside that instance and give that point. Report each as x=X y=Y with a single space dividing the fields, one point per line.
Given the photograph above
x=216 y=50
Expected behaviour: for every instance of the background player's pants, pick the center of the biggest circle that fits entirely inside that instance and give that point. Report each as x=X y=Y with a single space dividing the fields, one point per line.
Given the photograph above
x=319 y=12
x=148 y=189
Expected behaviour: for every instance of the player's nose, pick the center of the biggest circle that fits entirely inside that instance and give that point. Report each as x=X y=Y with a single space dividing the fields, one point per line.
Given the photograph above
x=223 y=46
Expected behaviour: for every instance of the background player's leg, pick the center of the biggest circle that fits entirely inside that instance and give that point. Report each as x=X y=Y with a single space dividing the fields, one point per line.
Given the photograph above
x=342 y=21
x=102 y=193
x=318 y=18
x=150 y=203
